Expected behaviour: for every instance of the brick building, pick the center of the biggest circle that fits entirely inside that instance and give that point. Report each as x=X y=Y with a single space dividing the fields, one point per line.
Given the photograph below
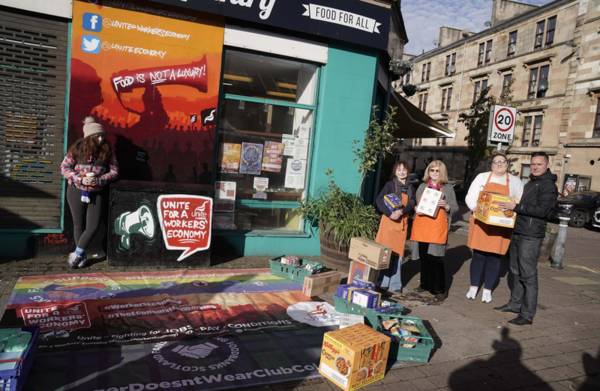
x=550 y=56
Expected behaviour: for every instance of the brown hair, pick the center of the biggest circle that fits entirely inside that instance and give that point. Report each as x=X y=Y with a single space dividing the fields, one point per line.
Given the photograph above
x=87 y=148
x=398 y=164
x=498 y=153
x=443 y=171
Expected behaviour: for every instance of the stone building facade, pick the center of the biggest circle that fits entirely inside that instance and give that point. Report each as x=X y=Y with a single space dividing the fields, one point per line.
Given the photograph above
x=550 y=58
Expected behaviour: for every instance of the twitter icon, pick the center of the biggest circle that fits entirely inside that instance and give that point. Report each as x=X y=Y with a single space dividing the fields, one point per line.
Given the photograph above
x=90 y=44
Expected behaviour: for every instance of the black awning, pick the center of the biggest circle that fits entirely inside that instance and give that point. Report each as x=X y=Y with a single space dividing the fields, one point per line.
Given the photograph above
x=414 y=123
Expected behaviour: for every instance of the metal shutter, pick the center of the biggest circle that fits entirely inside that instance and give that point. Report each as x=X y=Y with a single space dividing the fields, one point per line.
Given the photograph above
x=33 y=79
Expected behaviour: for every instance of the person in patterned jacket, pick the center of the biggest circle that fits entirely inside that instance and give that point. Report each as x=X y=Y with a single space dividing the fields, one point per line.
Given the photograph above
x=89 y=166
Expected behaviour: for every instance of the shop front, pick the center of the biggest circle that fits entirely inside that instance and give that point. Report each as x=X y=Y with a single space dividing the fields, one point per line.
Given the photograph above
x=246 y=103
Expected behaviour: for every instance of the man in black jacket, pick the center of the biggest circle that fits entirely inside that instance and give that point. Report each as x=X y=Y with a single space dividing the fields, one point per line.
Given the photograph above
x=536 y=204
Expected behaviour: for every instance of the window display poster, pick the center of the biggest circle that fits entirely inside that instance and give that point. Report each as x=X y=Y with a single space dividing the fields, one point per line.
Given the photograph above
x=225 y=192
x=251 y=158
x=154 y=88
x=288 y=143
x=295 y=173
x=230 y=157
x=429 y=201
x=300 y=148
x=304 y=131
x=272 y=156
x=261 y=184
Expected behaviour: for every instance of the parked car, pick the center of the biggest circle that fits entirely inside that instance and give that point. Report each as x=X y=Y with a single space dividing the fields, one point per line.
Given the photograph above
x=596 y=221
x=585 y=207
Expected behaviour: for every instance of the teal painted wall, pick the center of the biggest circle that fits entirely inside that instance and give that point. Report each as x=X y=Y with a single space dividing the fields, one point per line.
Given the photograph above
x=346 y=93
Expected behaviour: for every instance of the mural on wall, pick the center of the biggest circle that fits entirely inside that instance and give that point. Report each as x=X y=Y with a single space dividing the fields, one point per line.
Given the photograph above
x=153 y=82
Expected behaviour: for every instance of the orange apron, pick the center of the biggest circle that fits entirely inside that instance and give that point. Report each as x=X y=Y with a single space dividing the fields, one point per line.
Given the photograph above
x=392 y=233
x=488 y=238
x=427 y=229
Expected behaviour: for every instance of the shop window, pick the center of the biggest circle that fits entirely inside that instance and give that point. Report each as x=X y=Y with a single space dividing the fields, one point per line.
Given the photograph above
x=265 y=129
x=446 y=98
x=544 y=33
x=538 y=81
x=512 y=44
x=532 y=130
x=478 y=88
x=450 y=64
x=596 y=132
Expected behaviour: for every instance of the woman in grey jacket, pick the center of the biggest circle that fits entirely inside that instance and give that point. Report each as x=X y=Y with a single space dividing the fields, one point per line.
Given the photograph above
x=431 y=233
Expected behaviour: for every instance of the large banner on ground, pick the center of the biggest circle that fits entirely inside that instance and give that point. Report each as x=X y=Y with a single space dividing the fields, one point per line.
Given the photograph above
x=153 y=82
x=185 y=329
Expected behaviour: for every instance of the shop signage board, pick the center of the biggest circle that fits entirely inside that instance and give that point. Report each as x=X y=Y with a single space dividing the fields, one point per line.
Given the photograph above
x=502 y=125
x=345 y=20
x=153 y=83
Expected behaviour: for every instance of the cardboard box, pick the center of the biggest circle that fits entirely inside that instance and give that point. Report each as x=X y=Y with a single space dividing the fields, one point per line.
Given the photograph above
x=487 y=211
x=354 y=357
x=392 y=202
x=360 y=271
x=429 y=201
x=321 y=283
x=366 y=298
x=370 y=253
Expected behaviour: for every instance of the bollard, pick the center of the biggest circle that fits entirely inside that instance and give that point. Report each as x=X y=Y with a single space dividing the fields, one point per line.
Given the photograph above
x=558 y=250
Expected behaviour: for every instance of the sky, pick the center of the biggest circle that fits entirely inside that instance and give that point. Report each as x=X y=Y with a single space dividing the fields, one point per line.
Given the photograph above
x=423 y=19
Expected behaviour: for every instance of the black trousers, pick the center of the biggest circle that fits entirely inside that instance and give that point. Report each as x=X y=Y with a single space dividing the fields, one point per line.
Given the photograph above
x=86 y=217
x=524 y=252
x=433 y=273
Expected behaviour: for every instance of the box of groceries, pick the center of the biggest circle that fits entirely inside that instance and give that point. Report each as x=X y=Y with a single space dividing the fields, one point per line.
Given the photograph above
x=321 y=283
x=487 y=210
x=428 y=203
x=354 y=357
x=370 y=253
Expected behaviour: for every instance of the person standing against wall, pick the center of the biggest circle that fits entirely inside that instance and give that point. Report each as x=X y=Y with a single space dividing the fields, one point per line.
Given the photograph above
x=536 y=205
x=393 y=226
x=89 y=166
x=489 y=243
x=431 y=233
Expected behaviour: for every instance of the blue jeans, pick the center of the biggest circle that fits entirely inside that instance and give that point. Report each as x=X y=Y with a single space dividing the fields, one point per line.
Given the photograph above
x=390 y=277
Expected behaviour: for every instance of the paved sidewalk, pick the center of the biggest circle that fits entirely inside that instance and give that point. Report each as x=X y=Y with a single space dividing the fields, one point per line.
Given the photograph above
x=477 y=349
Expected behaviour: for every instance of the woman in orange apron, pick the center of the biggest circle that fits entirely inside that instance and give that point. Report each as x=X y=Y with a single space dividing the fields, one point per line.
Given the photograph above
x=431 y=233
x=394 y=222
x=489 y=243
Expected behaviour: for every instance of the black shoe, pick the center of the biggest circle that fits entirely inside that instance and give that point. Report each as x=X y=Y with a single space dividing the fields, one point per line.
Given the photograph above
x=506 y=308
x=440 y=297
x=419 y=290
x=520 y=321
x=83 y=262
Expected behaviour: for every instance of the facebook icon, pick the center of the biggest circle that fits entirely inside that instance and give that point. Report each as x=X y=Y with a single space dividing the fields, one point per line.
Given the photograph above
x=92 y=22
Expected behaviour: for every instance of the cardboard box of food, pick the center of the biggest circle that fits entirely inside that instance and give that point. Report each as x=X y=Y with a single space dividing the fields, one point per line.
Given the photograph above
x=370 y=253
x=366 y=298
x=362 y=272
x=321 y=283
x=354 y=357
x=487 y=210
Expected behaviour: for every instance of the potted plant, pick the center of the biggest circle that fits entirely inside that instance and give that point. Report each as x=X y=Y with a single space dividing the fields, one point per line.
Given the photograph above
x=340 y=216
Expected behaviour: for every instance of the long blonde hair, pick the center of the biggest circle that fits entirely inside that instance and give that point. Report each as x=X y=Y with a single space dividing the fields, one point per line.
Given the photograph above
x=443 y=171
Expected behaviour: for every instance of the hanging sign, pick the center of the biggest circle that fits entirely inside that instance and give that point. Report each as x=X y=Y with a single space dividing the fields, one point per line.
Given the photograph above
x=502 y=124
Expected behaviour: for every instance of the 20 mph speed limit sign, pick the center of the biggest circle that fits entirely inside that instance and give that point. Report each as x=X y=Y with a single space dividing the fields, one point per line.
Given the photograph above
x=502 y=124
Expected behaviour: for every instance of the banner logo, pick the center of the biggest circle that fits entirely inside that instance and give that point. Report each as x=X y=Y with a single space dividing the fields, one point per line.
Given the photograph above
x=188 y=356
x=92 y=22
x=341 y=17
x=90 y=44
x=186 y=222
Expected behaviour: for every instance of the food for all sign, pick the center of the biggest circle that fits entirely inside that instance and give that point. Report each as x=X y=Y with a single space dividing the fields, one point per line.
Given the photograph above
x=502 y=124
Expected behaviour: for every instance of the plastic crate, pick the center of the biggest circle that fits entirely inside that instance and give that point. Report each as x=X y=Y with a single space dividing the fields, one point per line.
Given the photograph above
x=294 y=273
x=14 y=379
x=423 y=348
x=371 y=314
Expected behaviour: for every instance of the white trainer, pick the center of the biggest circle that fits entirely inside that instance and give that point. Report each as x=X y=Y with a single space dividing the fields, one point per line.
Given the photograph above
x=73 y=260
x=486 y=296
x=472 y=293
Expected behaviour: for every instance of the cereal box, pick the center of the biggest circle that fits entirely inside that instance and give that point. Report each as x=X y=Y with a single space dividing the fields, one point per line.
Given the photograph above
x=487 y=210
x=429 y=201
x=354 y=357
x=360 y=271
